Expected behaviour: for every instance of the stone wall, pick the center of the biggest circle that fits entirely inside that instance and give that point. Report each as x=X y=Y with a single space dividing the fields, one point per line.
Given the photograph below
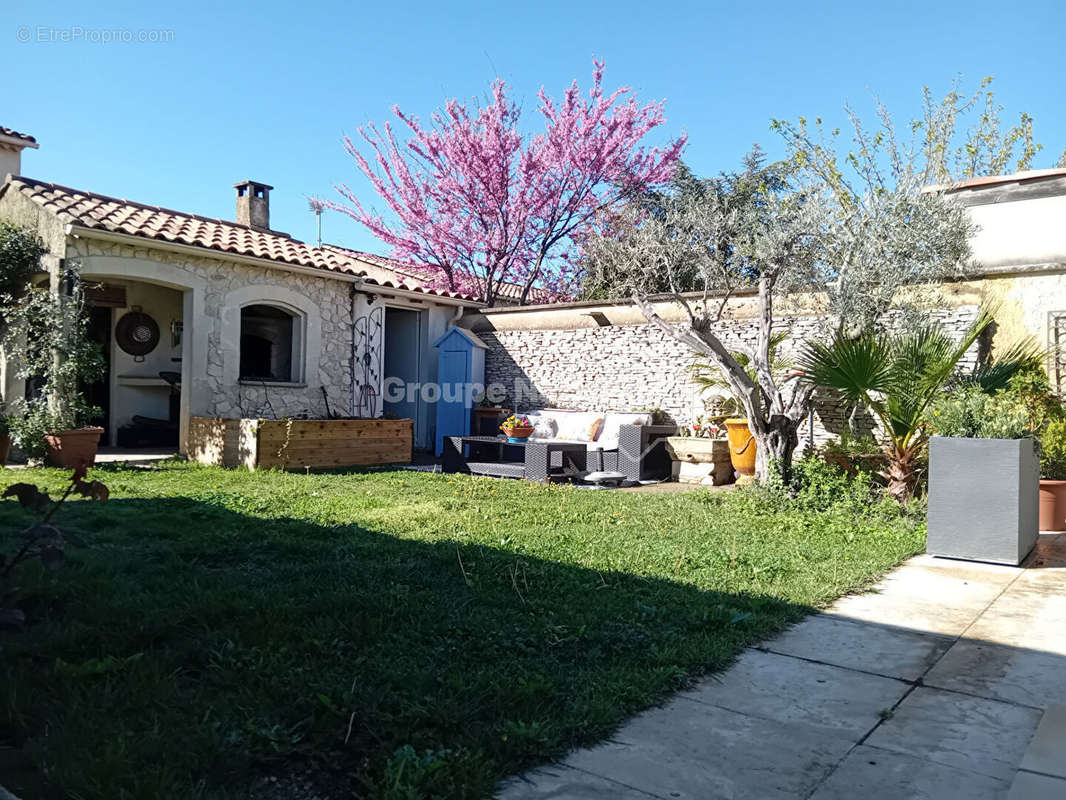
x=625 y=367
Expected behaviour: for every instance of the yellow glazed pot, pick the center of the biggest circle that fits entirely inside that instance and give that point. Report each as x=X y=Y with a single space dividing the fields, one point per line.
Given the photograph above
x=741 y=449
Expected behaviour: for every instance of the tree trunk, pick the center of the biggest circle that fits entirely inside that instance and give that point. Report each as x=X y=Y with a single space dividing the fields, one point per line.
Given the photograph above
x=901 y=473
x=775 y=445
x=774 y=411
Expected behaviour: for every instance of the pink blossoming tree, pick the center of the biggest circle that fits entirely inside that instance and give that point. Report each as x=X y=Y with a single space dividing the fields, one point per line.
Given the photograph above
x=476 y=205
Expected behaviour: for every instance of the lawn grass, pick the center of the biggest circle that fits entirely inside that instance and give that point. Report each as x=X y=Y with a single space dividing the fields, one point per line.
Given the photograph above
x=389 y=634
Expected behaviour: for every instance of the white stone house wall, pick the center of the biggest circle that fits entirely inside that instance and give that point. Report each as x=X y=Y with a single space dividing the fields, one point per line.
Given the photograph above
x=215 y=291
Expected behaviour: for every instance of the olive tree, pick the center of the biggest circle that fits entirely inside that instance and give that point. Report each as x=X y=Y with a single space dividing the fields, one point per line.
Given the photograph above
x=860 y=220
x=746 y=231
x=781 y=233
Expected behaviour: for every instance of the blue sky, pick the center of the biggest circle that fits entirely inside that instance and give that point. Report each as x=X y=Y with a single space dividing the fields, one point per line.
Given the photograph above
x=266 y=90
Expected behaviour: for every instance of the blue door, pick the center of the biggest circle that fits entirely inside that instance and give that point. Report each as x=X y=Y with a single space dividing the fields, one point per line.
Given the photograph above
x=453 y=418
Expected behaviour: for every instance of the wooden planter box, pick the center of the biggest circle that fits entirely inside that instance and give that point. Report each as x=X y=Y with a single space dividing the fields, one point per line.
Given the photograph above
x=299 y=443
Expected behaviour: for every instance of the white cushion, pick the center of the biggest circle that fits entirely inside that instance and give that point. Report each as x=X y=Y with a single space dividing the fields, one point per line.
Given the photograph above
x=544 y=427
x=579 y=427
x=612 y=427
x=552 y=414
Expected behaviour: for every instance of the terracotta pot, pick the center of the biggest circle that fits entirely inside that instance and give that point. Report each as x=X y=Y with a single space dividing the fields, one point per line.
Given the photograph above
x=518 y=434
x=73 y=448
x=741 y=449
x=1052 y=505
x=5 y=449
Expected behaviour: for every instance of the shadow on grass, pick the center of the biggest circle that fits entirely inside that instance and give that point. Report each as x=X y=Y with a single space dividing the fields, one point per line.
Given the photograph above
x=194 y=649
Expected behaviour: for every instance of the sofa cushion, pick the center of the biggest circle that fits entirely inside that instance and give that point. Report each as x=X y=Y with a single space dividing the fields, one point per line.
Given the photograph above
x=612 y=425
x=579 y=427
x=544 y=426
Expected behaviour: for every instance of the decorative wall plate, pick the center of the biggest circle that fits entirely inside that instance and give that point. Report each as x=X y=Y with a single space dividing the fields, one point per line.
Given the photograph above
x=137 y=333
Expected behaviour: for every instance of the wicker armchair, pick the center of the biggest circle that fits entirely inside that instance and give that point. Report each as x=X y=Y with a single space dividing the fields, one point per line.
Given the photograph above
x=641 y=453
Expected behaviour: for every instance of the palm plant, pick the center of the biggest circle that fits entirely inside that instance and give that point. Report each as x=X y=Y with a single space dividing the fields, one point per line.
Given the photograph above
x=897 y=377
x=708 y=376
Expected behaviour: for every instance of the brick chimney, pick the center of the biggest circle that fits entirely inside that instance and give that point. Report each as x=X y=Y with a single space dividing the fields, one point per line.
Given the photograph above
x=253 y=204
x=12 y=143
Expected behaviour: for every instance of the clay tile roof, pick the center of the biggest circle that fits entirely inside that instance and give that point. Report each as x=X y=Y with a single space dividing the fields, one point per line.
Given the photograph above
x=24 y=138
x=110 y=214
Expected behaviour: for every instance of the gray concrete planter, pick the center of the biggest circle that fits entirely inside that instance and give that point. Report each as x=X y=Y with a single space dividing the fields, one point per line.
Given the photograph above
x=983 y=499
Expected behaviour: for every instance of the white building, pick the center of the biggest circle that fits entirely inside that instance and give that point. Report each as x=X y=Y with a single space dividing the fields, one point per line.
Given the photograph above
x=252 y=321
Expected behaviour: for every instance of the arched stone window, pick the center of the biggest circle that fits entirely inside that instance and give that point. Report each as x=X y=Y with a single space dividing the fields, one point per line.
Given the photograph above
x=270 y=344
x=273 y=315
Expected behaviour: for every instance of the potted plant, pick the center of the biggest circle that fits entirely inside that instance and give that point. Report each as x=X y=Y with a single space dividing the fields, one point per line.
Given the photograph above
x=701 y=453
x=517 y=428
x=898 y=377
x=47 y=338
x=983 y=478
x=1053 y=477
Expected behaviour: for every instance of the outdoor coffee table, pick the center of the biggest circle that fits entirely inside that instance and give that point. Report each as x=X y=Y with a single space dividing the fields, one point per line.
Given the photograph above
x=533 y=460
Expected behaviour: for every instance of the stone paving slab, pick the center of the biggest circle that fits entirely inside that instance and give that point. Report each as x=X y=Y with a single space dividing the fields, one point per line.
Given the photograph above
x=939 y=573
x=1029 y=786
x=914 y=612
x=1050 y=552
x=964 y=656
x=929 y=595
x=1047 y=750
x=987 y=737
x=783 y=689
x=1031 y=620
x=1049 y=581
x=1000 y=672
x=881 y=649
x=870 y=773
x=564 y=783
x=693 y=751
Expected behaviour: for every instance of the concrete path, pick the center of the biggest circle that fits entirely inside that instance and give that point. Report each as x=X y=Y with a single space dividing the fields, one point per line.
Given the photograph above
x=932 y=687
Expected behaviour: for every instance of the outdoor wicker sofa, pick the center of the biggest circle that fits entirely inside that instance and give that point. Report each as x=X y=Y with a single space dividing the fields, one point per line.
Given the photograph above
x=625 y=442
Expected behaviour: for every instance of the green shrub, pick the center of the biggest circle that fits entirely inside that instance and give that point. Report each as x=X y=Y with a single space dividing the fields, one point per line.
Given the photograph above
x=1053 y=451
x=29 y=428
x=818 y=487
x=20 y=257
x=969 y=412
x=1032 y=389
x=849 y=444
